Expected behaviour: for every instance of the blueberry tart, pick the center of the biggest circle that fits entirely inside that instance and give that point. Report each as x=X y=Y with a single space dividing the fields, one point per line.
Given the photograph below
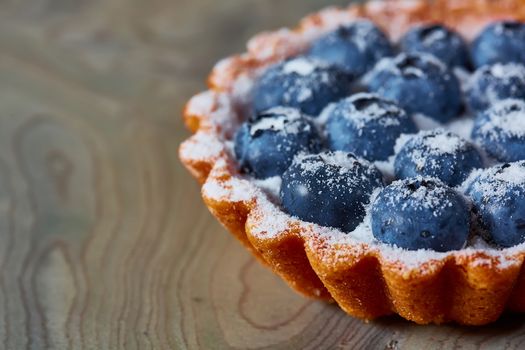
x=374 y=156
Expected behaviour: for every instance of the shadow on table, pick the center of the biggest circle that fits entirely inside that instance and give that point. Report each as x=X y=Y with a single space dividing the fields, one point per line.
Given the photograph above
x=509 y=329
x=508 y=322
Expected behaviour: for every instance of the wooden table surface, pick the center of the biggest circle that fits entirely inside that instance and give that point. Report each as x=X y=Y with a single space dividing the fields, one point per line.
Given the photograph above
x=104 y=241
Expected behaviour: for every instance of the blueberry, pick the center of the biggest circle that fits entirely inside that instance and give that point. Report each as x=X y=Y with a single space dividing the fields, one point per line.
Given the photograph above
x=500 y=130
x=366 y=125
x=355 y=47
x=437 y=40
x=490 y=84
x=303 y=83
x=329 y=189
x=498 y=195
x=420 y=213
x=266 y=147
x=500 y=42
x=437 y=153
x=420 y=83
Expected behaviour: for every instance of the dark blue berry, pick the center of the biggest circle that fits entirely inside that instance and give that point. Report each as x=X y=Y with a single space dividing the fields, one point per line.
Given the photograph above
x=303 y=83
x=500 y=42
x=437 y=153
x=498 y=195
x=437 y=40
x=329 y=189
x=490 y=84
x=267 y=146
x=500 y=130
x=367 y=126
x=355 y=47
x=420 y=83
x=420 y=213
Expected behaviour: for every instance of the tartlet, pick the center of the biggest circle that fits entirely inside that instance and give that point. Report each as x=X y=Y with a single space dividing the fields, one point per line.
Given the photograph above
x=468 y=286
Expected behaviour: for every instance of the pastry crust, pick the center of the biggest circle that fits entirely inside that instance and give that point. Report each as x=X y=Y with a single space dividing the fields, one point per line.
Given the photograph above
x=468 y=286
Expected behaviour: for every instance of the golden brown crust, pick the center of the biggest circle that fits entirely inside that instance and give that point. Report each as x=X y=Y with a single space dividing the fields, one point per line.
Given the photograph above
x=468 y=287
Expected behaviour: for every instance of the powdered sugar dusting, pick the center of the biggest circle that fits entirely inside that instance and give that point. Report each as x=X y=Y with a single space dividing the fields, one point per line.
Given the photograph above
x=497 y=181
x=406 y=65
x=411 y=259
x=508 y=71
x=202 y=146
x=401 y=141
x=429 y=195
x=234 y=190
x=341 y=163
x=505 y=119
x=283 y=119
x=373 y=108
x=223 y=114
x=509 y=75
x=344 y=247
x=340 y=159
x=437 y=142
x=270 y=186
x=267 y=220
x=201 y=104
x=514 y=174
x=301 y=66
x=242 y=87
x=443 y=143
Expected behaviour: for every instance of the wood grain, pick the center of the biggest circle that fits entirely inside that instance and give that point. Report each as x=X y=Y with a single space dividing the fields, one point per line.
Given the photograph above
x=104 y=240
